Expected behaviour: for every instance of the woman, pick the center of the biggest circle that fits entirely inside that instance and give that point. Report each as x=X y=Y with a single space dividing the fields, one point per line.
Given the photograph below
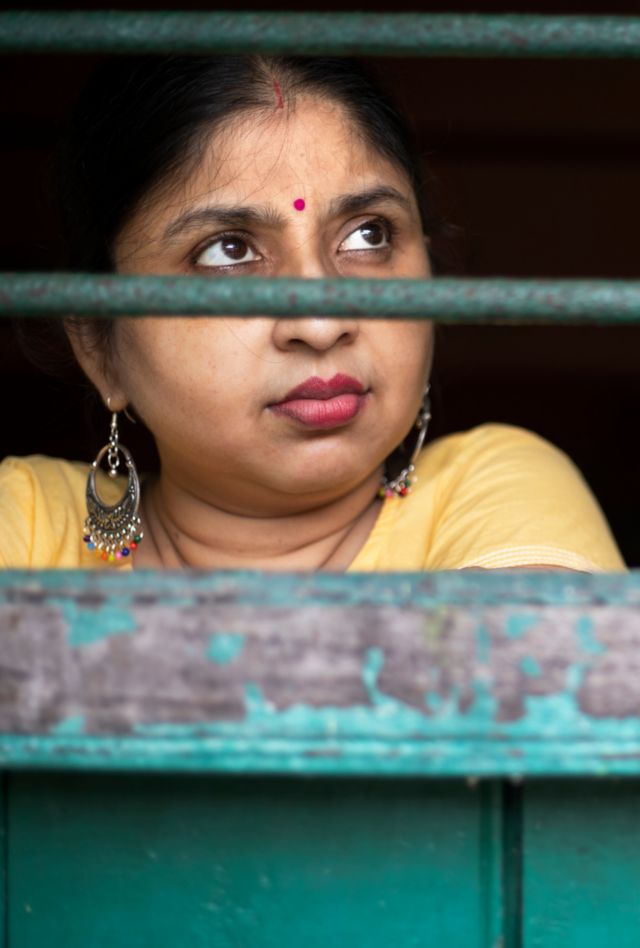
x=284 y=443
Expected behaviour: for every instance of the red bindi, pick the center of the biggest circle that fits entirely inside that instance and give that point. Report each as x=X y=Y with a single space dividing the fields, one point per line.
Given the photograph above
x=299 y=204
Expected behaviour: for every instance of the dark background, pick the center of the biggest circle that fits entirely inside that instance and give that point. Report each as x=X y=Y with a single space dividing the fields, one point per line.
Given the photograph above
x=537 y=164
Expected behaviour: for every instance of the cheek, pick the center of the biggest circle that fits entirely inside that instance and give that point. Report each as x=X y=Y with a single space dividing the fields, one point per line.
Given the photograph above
x=187 y=369
x=405 y=350
x=407 y=362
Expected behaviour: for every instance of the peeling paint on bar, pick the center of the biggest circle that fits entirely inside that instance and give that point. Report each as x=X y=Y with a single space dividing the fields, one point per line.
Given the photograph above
x=441 y=674
x=380 y=34
x=445 y=299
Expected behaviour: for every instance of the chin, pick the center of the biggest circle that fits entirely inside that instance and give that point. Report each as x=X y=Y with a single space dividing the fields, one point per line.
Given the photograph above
x=326 y=481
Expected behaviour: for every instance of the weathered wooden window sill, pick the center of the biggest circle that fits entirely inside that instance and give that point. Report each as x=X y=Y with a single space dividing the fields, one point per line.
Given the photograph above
x=476 y=674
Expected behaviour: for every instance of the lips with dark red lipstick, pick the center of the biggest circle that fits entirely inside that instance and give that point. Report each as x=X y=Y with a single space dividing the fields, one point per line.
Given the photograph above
x=323 y=403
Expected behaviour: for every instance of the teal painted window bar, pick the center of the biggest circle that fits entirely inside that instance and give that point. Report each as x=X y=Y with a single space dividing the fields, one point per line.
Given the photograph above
x=364 y=34
x=444 y=299
x=440 y=674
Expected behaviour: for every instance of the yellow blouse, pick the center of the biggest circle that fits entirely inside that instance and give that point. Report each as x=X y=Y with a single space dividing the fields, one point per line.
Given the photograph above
x=495 y=496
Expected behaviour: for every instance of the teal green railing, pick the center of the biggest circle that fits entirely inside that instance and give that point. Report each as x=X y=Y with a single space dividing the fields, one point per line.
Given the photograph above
x=443 y=299
x=308 y=33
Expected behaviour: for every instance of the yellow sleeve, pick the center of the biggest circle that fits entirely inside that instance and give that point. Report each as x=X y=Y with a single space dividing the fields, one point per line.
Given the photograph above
x=513 y=499
x=17 y=514
x=41 y=513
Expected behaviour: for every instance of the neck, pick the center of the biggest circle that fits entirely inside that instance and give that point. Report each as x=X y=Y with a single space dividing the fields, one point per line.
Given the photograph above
x=185 y=530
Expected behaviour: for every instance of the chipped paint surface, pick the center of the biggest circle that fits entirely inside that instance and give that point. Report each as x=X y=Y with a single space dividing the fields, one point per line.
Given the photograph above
x=86 y=625
x=415 y=673
x=530 y=666
x=74 y=724
x=224 y=647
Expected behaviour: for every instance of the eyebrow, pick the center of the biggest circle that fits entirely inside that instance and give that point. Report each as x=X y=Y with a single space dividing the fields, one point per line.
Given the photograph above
x=221 y=215
x=352 y=203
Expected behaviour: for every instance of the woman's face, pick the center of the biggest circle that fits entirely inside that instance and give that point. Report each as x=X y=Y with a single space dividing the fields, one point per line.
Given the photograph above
x=295 y=193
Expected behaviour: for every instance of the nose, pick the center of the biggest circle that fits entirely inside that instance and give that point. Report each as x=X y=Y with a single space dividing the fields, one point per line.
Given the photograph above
x=314 y=332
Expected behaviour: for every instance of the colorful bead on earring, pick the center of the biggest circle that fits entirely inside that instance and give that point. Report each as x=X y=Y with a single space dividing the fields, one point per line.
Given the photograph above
x=402 y=485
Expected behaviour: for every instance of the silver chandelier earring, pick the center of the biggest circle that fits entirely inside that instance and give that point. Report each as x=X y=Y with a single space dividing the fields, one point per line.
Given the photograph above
x=402 y=485
x=113 y=531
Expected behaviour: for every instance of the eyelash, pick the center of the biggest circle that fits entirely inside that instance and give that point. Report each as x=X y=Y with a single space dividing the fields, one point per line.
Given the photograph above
x=388 y=226
x=386 y=223
x=212 y=241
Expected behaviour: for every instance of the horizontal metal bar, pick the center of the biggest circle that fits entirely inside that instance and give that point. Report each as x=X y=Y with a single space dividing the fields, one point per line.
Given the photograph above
x=444 y=674
x=444 y=299
x=380 y=34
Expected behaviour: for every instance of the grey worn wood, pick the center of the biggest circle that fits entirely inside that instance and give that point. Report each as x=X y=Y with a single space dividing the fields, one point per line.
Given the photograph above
x=159 y=669
x=414 y=672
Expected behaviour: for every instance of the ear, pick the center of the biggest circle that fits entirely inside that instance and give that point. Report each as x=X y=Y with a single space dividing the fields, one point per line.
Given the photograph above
x=95 y=362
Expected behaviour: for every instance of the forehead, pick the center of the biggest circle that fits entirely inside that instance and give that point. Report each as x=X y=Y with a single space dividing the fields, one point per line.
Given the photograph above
x=312 y=147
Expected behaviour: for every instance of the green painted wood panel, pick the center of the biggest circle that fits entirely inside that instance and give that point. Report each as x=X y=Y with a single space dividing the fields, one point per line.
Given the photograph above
x=188 y=862
x=581 y=872
x=3 y=861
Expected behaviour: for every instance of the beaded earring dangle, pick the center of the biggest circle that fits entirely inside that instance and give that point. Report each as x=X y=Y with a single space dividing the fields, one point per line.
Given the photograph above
x=402 y=485
x=113 y=532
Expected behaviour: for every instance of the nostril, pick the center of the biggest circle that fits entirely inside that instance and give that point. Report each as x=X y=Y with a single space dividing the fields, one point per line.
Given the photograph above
x=315 y=332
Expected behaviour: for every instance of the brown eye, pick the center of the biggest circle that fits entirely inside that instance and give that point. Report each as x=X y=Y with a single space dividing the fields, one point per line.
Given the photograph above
x=373 y=234
x=225 y=252
x=234 y=247
x=370 y=236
